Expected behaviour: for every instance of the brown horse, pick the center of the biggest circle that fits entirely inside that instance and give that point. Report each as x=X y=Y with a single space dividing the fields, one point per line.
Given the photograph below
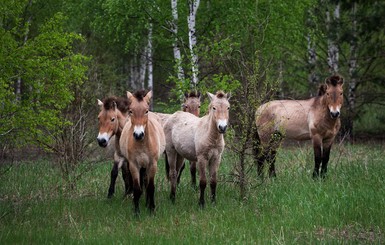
x=191 y=104
x=200 y=140
x=316 y=119
x=141 y=143
x=112 y=118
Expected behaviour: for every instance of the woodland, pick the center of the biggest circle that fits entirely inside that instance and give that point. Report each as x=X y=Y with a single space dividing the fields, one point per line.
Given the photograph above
x=57 y=57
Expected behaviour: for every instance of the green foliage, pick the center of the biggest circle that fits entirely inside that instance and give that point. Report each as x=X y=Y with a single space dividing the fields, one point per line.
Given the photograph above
x=47 y=70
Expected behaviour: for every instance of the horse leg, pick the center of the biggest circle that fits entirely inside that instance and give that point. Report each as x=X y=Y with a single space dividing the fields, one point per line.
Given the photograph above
x=180 y=171
x=213 y=170
x=259 y=158
x=325 y=159
x=193 y=171
x=150 y=190
x=172 y=157
x=272 y=157
x=167 y=165
x=317 y=156
x=202 y=180
x=136 y=186
x=114 y=175
x=126 y=177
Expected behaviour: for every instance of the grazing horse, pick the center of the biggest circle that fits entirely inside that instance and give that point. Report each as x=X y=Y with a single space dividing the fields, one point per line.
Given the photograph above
x=200 y=140
x=141 y=143
x=112 y=118
x=316 y=119
x=191 y=104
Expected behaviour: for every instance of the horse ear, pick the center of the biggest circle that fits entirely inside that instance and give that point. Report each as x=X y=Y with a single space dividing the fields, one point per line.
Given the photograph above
x=341 y=81
x=199 y=95
x=228 y=95
x=185 y=95
x=115 y=105
x=129 y=95
x=211 y=96
x=148 y=96
x=100 y=103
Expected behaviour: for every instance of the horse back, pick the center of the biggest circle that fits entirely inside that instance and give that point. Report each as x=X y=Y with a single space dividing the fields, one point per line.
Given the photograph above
x=288 y=117
x=180 y=131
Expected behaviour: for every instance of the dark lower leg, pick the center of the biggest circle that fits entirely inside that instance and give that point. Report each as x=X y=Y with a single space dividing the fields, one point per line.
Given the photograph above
x=180 y=171
x=272 y=164
x=325 y=160
x=114 y=175
x=202 y=185
x=137 y=194
x=150 y=193
x=213 y=186
x=193 y=171
x=317 y=160
x=127 y=178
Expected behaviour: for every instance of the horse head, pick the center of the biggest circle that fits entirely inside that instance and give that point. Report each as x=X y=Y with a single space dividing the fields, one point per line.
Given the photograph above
x=139 y=108
x=192 y=103
x=219 y=109
x=108 y=122
x=334 y=95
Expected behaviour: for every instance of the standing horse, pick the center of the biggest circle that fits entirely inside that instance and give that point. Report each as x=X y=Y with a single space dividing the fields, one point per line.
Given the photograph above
x=200 y=140
x=191 y=104
x=112 y=118
x=316 y=119
x=141 y=143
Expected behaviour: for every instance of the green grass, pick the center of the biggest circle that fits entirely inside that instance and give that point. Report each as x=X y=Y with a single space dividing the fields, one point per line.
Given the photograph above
x=346 y=207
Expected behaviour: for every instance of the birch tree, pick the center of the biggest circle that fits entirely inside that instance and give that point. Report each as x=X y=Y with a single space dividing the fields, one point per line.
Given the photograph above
x=175 y=44
x=332 y=30
x=191 y=20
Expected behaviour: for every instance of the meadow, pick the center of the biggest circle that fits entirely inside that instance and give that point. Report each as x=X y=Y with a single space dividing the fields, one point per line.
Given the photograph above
x=36 y=207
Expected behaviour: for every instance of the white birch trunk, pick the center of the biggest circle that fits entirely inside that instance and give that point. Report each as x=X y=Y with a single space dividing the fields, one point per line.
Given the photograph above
x=333 y=52
x=174 y=30
x=149 y=59
x=193 y=7
x=312 y=59
x=353 y=62
x=142 y=68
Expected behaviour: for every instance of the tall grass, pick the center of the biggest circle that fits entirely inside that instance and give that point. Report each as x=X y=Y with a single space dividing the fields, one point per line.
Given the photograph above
x=346 y=207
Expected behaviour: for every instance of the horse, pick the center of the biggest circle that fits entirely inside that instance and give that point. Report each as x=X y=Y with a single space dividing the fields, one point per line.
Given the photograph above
x=142 y=142
x=316 y=119
x=200 y=140
x=112 y=118
x=191 y=104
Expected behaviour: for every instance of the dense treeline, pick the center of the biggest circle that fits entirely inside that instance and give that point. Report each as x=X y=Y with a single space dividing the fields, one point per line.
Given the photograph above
x=58 y=56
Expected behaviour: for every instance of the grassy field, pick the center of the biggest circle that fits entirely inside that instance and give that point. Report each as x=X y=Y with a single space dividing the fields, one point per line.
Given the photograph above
x=346 y=207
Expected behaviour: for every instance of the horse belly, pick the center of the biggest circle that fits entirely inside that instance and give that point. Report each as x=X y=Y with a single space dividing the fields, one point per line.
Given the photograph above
x=183 y=141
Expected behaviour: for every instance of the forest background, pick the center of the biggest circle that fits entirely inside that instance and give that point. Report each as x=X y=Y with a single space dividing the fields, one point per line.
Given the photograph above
x=58 y=56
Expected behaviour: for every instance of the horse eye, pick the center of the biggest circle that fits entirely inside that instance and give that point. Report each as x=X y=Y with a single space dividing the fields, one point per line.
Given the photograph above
x=130 y=112
x=228 y=108
x=146 y=112
x=327 y=94
x=199 y=106
x=113 y=119
x=340 y=93
x=214 y=108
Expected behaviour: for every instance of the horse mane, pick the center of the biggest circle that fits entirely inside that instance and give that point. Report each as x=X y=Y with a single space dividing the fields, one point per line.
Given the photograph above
x=140 y=94
x=220 y=94
x=192 y=94
x=335 y=80
x=121 y=103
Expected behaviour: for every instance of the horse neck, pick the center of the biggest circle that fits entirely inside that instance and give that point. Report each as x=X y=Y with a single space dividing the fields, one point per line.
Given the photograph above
x=212 y=133
x=121 y=122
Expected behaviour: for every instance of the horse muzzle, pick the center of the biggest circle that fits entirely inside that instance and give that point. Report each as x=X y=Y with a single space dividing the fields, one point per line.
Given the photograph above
x=222 y=126
x=139 y=136
x=103 y=139
x=102 y=142
x=334 y=114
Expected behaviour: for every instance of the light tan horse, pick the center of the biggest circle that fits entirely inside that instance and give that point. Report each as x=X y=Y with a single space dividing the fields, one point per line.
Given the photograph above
x=112 y=118
x=141 y=143
x=200 y=140
x=316 y=119
x=191 y=104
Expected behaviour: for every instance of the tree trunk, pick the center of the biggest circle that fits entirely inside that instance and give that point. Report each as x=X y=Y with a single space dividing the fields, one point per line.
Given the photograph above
x=150 y=81
x=312 y=60
x=352 y=74
x=174 y=30
x=332 y=29
x=193 y=7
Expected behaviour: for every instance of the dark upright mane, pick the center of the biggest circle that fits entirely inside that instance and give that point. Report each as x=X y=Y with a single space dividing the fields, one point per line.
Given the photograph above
x=192 y=94
x=121 y=103
x=220 y=94
x=140 y=94
x=335 y=80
